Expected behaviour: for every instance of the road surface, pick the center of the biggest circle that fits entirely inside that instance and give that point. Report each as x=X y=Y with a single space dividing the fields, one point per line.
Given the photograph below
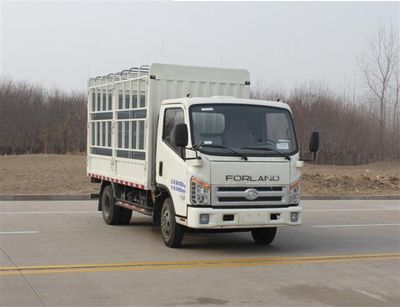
x=61 y=253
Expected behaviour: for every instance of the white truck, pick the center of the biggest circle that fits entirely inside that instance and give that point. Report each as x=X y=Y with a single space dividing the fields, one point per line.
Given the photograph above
x=187 y=146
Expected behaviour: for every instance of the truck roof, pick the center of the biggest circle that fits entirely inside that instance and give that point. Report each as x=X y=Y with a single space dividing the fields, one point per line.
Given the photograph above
x=225 y=100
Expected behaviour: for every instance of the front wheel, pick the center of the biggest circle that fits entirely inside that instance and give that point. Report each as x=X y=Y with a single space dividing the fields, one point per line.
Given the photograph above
x=263 y=236
x=172 y=233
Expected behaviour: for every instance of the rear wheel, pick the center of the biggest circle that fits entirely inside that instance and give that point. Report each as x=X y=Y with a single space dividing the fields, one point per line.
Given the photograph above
x=172 y=232
x=125 y=216
x=263 y=236
x=112 y=214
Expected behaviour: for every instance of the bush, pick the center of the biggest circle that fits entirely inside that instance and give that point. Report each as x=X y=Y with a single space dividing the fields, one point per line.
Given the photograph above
x=35 y=121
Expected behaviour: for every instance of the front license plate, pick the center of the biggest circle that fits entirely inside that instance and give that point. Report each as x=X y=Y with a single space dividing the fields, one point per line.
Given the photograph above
x=253 y=218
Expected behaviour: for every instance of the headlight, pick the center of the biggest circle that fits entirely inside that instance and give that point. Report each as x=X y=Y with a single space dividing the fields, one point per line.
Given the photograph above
x=200 y=192
x=294 y=192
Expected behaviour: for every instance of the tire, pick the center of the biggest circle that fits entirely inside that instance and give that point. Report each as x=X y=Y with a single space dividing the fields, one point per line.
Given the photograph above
x=125 y=216
x=112 y=214
x=263 y=236
x=171 y=232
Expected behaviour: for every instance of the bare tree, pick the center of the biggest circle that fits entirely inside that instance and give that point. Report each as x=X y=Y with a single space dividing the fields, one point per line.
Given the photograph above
x=396 y=91
x=33 y=120
x=378 y=68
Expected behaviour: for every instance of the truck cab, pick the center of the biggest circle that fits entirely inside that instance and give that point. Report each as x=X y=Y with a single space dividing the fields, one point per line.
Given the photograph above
x=229 y=163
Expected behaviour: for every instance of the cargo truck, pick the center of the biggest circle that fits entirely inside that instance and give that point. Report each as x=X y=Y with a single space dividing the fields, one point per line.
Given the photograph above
x=187 y=146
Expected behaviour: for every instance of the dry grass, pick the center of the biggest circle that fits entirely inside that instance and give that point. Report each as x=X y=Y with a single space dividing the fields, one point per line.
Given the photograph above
x=66 y=174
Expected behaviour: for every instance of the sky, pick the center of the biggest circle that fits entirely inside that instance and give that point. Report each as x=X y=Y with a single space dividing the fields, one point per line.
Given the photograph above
x=282 y=44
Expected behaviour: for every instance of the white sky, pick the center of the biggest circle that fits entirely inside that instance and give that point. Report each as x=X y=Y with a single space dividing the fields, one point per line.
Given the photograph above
x=60 y=44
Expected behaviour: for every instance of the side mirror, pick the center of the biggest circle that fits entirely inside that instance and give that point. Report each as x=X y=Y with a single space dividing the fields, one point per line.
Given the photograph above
x=181 y=135
x=314 y=142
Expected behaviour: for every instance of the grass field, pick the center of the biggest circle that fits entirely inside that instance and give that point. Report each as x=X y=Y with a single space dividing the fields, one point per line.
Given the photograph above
x=66 y=174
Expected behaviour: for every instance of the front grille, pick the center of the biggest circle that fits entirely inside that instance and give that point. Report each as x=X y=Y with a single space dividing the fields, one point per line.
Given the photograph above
x=248 y=196
x=230 y=199
x=226 y=189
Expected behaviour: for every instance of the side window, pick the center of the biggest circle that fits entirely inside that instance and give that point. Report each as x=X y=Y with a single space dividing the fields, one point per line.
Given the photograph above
x=172 y=117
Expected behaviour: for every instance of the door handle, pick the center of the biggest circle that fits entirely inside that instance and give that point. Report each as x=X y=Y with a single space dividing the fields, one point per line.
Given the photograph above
x=160 y=168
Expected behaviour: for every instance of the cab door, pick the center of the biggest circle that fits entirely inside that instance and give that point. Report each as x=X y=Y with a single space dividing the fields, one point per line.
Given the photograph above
x=171 y=167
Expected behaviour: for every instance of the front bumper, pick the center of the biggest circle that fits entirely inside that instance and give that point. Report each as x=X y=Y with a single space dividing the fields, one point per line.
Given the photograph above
x=242 y=218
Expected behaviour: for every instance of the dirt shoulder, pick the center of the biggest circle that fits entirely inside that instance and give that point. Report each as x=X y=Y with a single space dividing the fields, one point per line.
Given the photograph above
x=45 y=174
x=368 y=179
x=66 y=174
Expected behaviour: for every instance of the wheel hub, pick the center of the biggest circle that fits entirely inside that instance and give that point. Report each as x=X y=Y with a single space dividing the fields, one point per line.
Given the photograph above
x=166 y=224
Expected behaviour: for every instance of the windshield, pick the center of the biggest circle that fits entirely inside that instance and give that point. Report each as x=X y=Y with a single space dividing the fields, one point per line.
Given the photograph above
x=249 y=129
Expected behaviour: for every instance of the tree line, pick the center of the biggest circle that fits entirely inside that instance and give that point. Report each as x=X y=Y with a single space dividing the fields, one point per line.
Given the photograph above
x=353 y=130
x=33 y=120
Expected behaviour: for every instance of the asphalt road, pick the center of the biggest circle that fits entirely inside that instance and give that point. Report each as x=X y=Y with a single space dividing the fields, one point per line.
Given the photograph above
x=60 y=253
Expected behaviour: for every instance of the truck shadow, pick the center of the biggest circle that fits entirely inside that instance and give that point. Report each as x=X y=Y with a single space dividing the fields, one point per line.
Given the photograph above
x=299 y=240
x=238 y=243
x=235 y=241
x=286 y=242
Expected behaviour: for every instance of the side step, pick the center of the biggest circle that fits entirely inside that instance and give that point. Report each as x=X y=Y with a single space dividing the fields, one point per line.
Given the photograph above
x=134 y=207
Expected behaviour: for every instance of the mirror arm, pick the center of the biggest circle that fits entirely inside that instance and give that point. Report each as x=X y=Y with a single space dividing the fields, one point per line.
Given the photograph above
x=312 y=159
x=195 y=158
x=183 y=156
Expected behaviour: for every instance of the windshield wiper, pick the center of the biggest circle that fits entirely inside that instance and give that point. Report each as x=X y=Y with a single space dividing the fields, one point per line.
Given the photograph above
x=269 y=149
x=196 y=146
x=220 y=146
